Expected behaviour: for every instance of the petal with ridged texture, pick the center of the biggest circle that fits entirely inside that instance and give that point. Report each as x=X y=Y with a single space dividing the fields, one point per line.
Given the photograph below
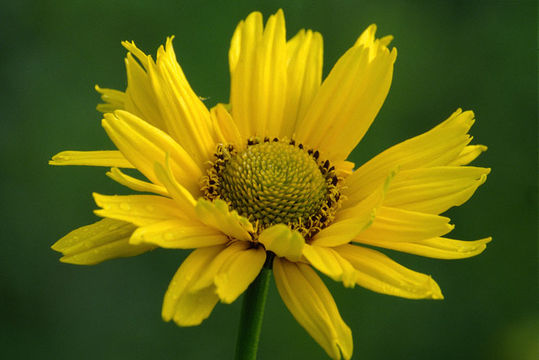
x=217 y=215
x=113 y=100
x=134 y=183
x=104 y=240
x=379 y=273
x=403 y=225
x=186 y=307
x=439 y=247
x=304 y=75
x=351 y=221
x=225 y=127
x=186 y=117
x=283 y=241
x=232 y=271
x=108 y=158
x=349 y=98
x=139 y=210
x=178 y=234
x=143 y=145
x=436 y=189
x=312 y=305
x=258 y=75
x=437 y=147
x=329 y=262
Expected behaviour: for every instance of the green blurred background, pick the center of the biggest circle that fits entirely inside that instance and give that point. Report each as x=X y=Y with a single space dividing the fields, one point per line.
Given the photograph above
x=478 y=55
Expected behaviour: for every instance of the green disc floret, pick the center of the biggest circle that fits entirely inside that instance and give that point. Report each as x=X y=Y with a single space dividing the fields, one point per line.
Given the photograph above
x=273 y=182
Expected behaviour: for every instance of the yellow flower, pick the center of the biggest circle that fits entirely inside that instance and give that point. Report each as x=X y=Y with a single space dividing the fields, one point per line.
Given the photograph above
x=264 y=179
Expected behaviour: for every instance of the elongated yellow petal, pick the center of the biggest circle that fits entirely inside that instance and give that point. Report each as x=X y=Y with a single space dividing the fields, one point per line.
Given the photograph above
x=113 y=100
x=283 y=241
x=437 y=147
x=140 y=99
x=352 y=220
x=100 y=241
x=468 y=154
x=349 y=98
x=403 y=225
x=144 y=144
x=379 y=273
x=183 y=198
x=304 y=74
x=185 y=307
x=178 y=234
x=434 y=190
x=231 y=271
x=186 y=117
x=225 y=127
x=217 y=215
x=258 y=75
x=237 y=274
x=139 y=210
x=329 y=262
x=439 y=248
x=310 y=302
x=135 y=184
x=108 y=158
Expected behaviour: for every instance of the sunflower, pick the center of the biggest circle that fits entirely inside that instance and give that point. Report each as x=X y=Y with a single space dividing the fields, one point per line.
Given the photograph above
x=263 y=182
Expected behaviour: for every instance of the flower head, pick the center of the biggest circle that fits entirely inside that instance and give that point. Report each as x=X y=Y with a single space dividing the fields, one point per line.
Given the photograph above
x=264 y=179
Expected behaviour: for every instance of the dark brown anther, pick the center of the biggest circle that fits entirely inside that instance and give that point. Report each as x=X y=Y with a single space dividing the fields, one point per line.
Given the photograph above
x=266 y=139
x=310 y=151
x=292 y=142
x=334 y=181
x=275 y=139
x=300 y=146
x=316 y=155
x=326 y=164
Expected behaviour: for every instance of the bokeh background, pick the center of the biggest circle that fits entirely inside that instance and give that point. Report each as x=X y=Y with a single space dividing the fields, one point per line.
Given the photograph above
x=479 y=55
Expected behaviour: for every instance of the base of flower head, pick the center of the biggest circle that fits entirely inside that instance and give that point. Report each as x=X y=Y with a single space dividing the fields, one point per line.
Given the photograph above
x=251 y=182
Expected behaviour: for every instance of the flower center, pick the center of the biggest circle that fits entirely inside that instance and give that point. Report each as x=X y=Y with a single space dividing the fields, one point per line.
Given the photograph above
x=274 y=182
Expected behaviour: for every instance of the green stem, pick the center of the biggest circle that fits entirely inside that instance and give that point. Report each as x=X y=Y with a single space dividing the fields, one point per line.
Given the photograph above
x=252 y=313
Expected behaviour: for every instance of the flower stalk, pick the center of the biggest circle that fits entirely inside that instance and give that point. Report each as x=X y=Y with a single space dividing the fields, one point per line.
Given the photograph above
x=252 y=314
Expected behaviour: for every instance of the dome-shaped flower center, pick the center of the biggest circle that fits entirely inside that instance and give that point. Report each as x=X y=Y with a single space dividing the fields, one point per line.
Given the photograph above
x=273 y=182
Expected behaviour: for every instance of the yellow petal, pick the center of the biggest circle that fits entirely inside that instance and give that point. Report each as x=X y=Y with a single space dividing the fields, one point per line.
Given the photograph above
x=178 y=234
x=468 y=154
x=310 y=302
x=183 y=198
x=225 y=127
x=379 y=273
x=140 y=210
x=100 y=241
x=109 y=158
x=185 y=307
x=437 y=147
x=283 y=241
x=135 y=184
x=304 y=74
x=186 y=117
x=217 y=215
x=349 y=99
x=351 y=221
x=329 y=262
x=140 y=99
x=144 y=144
x=403 y=225
x=232 y=271
x=434 y=190
x=439 y=248
x=258 y=75
x=113 y=100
